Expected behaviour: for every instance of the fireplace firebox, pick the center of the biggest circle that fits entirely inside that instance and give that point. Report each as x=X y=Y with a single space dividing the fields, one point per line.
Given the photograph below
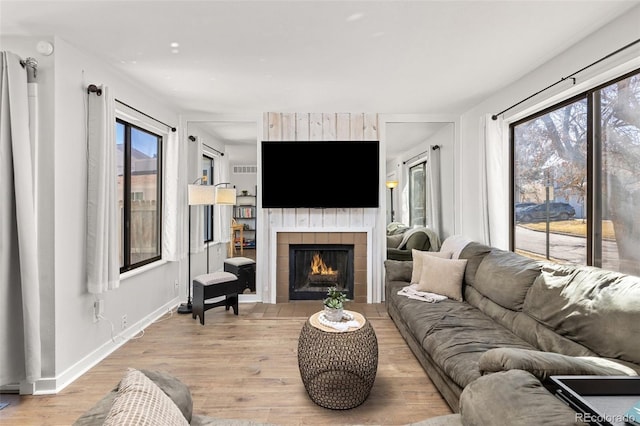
x=313 y=268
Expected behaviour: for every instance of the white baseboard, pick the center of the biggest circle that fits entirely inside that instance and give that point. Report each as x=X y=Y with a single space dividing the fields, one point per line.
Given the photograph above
x=53 y=385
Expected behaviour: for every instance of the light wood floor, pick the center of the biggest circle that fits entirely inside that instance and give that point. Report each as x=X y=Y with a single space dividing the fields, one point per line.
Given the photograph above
x=245 y=367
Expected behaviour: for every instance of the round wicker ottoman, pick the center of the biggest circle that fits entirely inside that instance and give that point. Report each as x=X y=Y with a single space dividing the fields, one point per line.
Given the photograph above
x=338 y=368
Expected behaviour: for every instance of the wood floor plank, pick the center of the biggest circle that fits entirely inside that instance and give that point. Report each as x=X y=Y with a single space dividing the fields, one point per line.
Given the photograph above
x=246 y=367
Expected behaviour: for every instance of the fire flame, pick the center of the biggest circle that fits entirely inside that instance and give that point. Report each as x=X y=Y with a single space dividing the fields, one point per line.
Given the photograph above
x=318 y=267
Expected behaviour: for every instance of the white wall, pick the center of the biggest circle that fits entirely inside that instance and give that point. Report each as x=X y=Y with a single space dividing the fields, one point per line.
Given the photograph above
x=72 y=342
x=599 y=44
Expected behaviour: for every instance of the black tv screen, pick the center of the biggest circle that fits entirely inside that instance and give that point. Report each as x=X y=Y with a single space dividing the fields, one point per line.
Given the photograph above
x=320 y=174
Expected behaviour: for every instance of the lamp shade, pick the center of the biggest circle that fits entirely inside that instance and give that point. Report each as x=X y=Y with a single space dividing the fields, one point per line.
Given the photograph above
x=392 y=184
x=225 y=196
x=201 y=195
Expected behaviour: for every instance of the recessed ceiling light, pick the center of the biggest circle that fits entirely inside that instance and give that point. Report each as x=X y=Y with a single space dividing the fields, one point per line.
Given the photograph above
x=175 y=51
x=175 y=44
x=354 y=17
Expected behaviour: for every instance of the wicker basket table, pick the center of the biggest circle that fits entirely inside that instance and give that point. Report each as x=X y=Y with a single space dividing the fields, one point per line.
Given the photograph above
x=338 y=368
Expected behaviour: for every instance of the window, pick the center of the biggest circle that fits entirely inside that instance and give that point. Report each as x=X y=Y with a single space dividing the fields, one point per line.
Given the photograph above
x=207 y=170
x=417 y=195
x=139 y=195
x=576 y=179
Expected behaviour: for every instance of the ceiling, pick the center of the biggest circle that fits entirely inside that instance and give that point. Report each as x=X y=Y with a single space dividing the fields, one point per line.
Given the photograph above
x=434 y=57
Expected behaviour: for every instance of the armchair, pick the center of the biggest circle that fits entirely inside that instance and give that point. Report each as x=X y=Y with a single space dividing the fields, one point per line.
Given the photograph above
x=400 y=248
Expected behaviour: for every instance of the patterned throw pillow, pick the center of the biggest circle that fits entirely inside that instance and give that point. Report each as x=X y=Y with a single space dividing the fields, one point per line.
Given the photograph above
x=140 y=402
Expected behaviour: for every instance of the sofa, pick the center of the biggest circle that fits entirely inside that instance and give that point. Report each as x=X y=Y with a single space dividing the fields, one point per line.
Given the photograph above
x=517 y=322
x=150 y=397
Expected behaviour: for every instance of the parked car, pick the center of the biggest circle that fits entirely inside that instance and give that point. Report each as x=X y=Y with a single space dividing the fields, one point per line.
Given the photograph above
x=523 y=205
x=538 y=212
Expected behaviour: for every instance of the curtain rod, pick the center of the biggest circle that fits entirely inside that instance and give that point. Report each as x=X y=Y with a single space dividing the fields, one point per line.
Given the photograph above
x=92 y=88
x=30 y=64
x=433 y=148
x=571 y=76
x=193 y=139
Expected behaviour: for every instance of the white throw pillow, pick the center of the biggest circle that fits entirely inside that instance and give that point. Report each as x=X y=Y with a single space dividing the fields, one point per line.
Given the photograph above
x=417 y=256
x=141 y=402
x=442 y=276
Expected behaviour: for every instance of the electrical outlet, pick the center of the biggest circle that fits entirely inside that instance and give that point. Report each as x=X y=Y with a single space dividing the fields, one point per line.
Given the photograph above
x=98 y=310
x=123 y=322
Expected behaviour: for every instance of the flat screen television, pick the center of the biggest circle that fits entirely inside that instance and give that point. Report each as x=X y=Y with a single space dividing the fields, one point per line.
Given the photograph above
x=320 y=174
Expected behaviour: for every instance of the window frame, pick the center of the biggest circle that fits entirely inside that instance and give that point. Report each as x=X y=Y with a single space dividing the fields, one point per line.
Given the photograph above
x=423 y=164
x=127 y=265
x=210 y=217
x=593 y=165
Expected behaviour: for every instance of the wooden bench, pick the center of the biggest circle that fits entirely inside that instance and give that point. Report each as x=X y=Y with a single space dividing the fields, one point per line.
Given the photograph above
x=216 y=284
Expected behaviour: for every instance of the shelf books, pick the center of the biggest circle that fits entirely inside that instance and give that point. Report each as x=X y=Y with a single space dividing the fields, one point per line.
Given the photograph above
x=244 y=212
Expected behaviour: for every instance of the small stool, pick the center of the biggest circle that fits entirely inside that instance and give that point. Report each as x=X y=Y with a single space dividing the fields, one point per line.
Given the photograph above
x=243 y=268
x=216 y=284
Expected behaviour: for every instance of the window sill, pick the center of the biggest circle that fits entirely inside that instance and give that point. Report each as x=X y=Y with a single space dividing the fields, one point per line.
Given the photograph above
x=130 y=274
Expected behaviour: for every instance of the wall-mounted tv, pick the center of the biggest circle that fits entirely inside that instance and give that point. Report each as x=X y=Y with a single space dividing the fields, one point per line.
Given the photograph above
x=320 y=174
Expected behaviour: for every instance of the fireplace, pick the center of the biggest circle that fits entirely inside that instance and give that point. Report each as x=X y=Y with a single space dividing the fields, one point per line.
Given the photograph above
x=313 y=268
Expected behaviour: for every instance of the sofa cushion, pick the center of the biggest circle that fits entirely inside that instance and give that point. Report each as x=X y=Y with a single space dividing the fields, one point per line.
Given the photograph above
x=545 y=364
x=141 y=402
x=457 y=340
x=597 y=308
x=505 y=278
x=513 y=397
x=474 y=253
x=418 y=257
x=442 y=276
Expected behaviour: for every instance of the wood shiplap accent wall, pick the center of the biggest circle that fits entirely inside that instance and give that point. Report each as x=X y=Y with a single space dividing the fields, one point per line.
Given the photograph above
x=279 y=126
x=319 y=127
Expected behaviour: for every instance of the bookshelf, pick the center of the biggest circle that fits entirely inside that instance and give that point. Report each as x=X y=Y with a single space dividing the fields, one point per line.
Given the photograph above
x=244 y=212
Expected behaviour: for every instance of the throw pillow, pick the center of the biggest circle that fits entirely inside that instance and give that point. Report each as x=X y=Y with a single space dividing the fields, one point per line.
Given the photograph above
x=442 y=276
x=417 y=256
x=139 y=401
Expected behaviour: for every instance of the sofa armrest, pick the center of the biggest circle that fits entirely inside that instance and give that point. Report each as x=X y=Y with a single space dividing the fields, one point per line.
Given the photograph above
x=545 y=364
x=513 y=397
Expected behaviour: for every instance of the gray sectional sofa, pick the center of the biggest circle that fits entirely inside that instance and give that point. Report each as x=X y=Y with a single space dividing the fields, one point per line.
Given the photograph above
x=521 y=321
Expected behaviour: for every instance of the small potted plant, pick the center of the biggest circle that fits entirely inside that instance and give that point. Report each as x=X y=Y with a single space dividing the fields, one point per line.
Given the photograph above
x=334 y=304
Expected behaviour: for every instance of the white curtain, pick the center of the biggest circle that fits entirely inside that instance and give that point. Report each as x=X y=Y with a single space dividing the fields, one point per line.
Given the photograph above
x=173 y=208
x=223 y=223
x=20 y=352
x=495 y=182
x=196 y=212
x=102 y=244
x=433 y=193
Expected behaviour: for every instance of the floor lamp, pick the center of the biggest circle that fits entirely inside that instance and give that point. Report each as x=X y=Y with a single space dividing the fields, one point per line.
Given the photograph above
x=392 y=184
x=226 y=196
x=198 y=195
